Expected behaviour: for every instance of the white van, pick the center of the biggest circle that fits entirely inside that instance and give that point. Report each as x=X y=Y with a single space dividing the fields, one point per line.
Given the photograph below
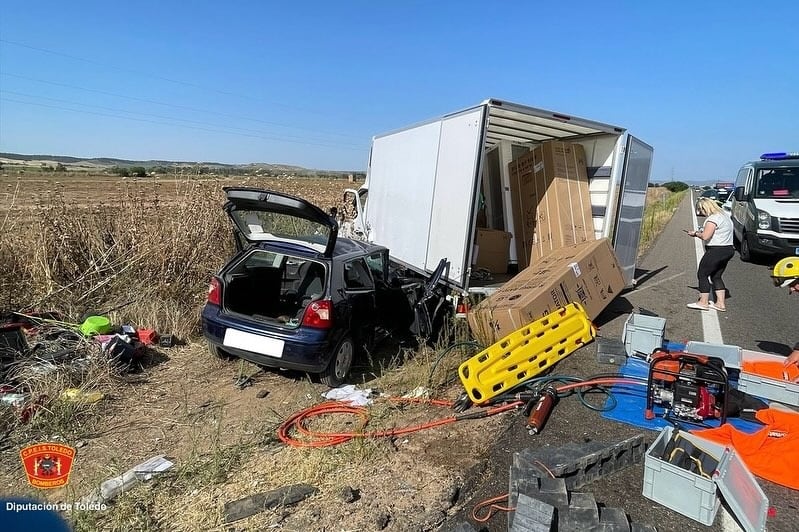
x=765 y=206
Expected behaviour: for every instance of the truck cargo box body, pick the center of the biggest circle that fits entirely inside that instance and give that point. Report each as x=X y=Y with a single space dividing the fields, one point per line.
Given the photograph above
x=427 y=182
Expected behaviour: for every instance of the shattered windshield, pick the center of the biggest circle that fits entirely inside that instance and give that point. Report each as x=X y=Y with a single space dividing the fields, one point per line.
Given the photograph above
x=778 y=183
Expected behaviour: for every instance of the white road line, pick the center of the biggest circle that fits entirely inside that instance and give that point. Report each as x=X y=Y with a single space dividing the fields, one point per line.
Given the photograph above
x=712 y=333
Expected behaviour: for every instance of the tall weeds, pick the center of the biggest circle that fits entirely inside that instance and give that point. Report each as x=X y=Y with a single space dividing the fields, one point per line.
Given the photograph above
x=145 y=258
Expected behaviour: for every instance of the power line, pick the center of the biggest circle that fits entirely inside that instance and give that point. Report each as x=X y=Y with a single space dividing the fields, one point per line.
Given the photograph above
x=165 y=104
x=171 y=124
x=154 y=76
x=223 y=127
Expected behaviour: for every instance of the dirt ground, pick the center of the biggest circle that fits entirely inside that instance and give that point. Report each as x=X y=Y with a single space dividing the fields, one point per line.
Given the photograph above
x=223 y=442
x=223 y=439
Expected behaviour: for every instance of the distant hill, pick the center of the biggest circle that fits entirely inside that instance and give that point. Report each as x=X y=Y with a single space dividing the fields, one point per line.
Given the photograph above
x=107 y=163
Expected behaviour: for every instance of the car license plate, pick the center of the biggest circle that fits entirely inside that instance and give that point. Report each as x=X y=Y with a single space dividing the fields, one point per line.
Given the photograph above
x=256 y=343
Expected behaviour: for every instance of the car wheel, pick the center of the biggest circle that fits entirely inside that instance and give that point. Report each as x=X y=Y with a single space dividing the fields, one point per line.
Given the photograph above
x=216 y=352
x=339 y=367
x=745 y=251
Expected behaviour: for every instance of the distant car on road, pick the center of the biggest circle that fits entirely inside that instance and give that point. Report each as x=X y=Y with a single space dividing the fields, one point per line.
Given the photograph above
x=723 y=194
x=710 y=193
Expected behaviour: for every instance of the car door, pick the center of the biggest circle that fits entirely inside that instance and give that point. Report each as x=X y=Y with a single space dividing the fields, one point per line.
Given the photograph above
x=359 y=292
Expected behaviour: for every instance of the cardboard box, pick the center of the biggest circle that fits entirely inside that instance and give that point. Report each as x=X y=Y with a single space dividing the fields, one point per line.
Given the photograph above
x=492 y=248
x=586 y=273
x=550 y=200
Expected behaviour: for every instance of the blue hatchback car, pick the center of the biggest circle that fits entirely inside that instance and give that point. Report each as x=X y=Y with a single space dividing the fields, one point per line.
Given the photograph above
x=296 y=296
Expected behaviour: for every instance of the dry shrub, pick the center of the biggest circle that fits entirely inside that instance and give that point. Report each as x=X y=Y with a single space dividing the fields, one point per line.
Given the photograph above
x=151 y=259
x=142 y=251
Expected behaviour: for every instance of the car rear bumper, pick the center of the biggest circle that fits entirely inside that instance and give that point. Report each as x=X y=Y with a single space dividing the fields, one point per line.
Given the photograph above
x=303 y=349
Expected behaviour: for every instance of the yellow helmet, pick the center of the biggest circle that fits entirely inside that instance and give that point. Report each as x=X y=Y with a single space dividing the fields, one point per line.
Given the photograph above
x=786 y=271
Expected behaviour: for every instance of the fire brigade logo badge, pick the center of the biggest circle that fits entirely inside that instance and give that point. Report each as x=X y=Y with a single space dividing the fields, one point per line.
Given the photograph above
x=47 y=465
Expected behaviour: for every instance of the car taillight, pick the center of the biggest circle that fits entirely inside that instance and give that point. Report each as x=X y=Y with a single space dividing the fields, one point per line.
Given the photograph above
x=319 y=314
x=215 y=292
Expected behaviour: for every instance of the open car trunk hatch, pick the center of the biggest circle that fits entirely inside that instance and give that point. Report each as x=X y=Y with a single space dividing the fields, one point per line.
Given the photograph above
x=273 y=288
x=264 y=215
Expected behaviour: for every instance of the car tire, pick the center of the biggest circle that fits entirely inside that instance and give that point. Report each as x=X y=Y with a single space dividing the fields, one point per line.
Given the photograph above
x=216 y=352
x=340 y=364
x=745 y=251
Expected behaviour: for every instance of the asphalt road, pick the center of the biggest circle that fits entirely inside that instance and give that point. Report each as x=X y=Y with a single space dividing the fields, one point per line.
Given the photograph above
x=759 y=317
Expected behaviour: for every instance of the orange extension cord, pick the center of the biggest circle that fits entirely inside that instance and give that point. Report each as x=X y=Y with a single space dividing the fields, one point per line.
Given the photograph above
x=298 y=422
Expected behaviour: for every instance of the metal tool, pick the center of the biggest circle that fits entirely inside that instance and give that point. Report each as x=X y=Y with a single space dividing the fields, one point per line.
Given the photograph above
x=543 y=408
x=690 y=387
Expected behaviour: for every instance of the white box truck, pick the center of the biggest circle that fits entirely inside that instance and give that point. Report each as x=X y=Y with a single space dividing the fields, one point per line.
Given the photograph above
x=425 y=183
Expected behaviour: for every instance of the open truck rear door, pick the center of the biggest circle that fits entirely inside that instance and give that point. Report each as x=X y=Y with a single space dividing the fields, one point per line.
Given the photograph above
x=424 y=218
x=631 y=202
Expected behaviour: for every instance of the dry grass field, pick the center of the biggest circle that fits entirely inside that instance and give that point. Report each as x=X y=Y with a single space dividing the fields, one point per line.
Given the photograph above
x=142 y=251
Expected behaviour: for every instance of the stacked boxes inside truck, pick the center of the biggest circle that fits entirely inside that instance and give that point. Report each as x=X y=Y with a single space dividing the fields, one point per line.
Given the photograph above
x=551 y=204
x=587 y=273
x=492 y=250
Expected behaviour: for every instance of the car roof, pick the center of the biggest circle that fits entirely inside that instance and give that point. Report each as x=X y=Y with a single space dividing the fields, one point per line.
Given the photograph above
x=789 y=163
x=348 y=246
x=344 y=248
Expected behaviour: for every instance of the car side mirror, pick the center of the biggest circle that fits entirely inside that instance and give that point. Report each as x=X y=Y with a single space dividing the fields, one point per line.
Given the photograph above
x=739 y=194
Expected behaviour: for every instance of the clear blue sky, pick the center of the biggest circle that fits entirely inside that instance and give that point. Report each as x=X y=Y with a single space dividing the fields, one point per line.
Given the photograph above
x=708 y=84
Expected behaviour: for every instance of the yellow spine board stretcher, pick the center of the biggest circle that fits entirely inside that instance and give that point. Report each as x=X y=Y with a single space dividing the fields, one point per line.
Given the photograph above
x=526 y=352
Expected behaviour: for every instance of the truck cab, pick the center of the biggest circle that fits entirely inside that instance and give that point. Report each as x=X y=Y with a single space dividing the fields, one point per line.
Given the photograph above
x=765 y=206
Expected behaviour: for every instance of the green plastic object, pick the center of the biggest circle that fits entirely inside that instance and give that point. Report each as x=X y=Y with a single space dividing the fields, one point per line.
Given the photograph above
x=95 y=325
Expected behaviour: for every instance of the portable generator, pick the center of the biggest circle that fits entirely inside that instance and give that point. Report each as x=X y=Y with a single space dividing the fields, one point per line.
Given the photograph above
x=689 y=387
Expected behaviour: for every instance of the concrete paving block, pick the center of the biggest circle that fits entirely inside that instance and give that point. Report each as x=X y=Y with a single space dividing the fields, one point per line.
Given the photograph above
x=531 y=515
x=579 y=463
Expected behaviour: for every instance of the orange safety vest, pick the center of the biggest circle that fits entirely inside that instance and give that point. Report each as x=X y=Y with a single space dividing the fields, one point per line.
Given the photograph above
x=771 y=452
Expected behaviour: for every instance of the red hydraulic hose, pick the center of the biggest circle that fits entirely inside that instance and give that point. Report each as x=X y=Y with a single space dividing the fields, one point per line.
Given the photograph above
x=298 y=422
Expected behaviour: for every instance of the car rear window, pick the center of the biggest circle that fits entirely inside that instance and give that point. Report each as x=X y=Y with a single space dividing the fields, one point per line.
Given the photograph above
x=263 y=225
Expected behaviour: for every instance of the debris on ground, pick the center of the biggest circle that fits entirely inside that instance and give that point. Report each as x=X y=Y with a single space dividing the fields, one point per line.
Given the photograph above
x=239 y=509
x=349 y=394
x=41 y=348
x=115 y=486
x=76 y=395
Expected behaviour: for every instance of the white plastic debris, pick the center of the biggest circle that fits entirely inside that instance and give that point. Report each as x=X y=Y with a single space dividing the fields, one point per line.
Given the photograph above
x=417 y=393
x=112 y=487
x=349 y=394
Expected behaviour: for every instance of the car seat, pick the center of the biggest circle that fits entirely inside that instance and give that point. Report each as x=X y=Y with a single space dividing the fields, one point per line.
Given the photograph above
x=311 y=281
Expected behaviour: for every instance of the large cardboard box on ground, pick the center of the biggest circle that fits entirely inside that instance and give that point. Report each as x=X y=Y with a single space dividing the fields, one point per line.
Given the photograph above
x=550 y=200
x=493 y=250
x=586 y=273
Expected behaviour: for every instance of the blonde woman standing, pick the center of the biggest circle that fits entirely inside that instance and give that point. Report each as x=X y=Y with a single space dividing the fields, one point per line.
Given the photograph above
x=717 y=235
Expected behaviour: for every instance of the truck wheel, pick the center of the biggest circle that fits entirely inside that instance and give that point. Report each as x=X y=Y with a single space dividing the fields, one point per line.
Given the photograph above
x=339 y=367
x=745 y=251
x=216 y=352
